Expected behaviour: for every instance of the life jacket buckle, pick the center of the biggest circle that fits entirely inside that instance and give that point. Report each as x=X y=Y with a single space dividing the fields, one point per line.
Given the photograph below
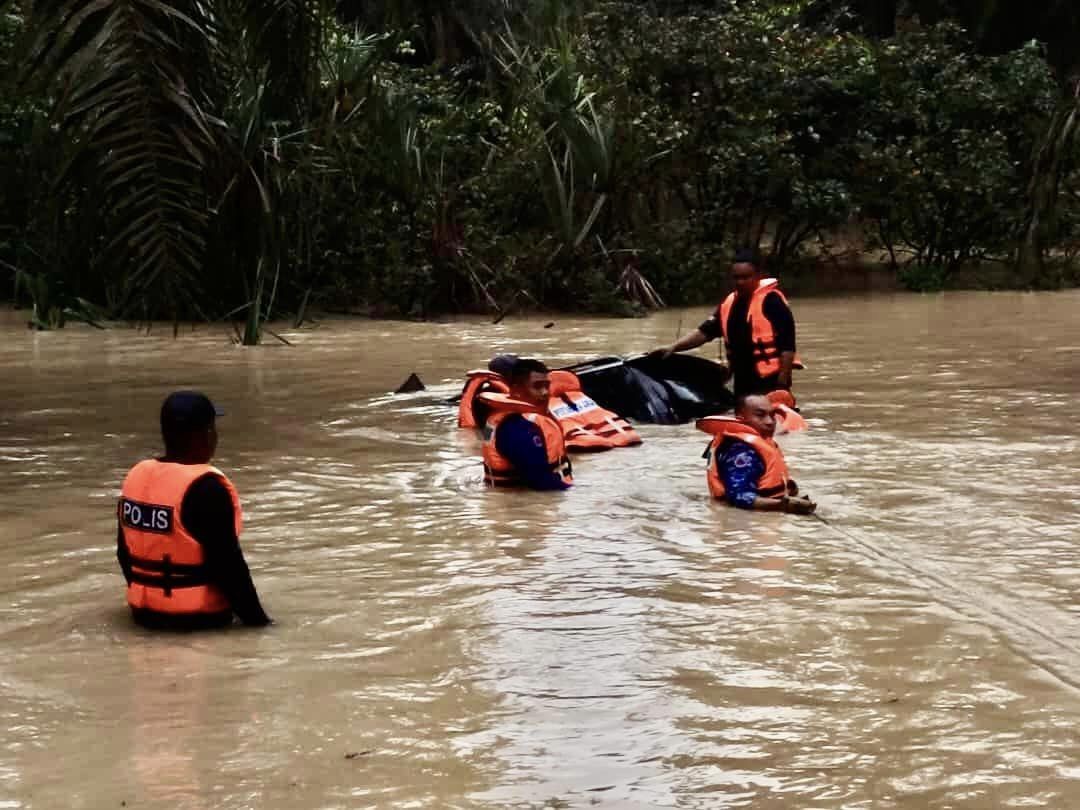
x=166 y=574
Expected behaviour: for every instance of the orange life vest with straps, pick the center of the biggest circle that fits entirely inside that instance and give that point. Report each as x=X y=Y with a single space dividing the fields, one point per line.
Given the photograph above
x=168 y=573
x=498 y=470
x=477 y=382
x=586 y=426
x=766 y=355
x=725 y=430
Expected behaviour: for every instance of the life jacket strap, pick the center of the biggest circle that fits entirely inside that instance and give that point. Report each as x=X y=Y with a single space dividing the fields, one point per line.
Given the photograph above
x=500 y=479
x=510 y=479
x=765 y=349
x=166 y=564
x=165 y=575
x=167 y=584
x=503 y=482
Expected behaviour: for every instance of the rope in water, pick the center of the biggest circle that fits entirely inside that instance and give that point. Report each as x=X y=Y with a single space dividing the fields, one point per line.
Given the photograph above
x=986 y=608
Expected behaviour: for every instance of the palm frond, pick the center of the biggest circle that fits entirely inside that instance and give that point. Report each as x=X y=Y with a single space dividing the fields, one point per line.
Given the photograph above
x=136 y=77
x=286 y=39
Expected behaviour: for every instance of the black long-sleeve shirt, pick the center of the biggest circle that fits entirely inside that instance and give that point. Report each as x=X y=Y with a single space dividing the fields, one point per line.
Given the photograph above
x=207 y=514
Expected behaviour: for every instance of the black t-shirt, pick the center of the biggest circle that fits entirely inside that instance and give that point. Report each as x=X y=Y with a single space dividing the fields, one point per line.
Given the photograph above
x=207 y=514
x=740 y=341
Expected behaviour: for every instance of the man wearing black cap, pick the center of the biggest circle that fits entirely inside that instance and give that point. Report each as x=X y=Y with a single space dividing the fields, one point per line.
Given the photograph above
x=503 y=364
x=179 y=525
x=758 y=330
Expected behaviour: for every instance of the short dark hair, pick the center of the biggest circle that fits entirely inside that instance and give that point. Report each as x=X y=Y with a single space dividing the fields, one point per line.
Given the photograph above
x=525 y=366
x=740 y=401
x=747 y=255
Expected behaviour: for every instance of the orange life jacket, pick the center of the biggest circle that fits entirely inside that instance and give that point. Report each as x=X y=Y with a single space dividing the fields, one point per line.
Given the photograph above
x=586 y=426
x=475 y=383
x=727 y=429
x=167 y=564
x=782 y=399
x=498 y=470
x=766 y=355
x=788 y=418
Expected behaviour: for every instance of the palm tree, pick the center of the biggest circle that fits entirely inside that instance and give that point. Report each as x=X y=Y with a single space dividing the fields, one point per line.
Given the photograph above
x=141 y=88
x=134 y=85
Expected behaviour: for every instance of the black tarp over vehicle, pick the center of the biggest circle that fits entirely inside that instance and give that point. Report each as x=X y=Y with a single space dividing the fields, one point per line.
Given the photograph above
x=667 y=391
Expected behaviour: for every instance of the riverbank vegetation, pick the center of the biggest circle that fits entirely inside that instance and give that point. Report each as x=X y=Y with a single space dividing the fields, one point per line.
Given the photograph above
x=242 y=159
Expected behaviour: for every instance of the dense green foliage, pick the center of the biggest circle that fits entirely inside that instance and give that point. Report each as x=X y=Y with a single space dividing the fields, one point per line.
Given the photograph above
x=242 y=160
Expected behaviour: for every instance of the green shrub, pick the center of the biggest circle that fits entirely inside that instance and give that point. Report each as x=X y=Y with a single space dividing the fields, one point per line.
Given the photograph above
x=457 y=159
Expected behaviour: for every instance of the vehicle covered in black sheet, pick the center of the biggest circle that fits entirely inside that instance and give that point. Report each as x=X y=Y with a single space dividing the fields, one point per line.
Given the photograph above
x=647 y=388
x=650 y=388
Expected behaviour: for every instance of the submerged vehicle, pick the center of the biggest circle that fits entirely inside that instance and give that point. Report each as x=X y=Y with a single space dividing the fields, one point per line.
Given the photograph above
x=668 y=390
x=648 y=388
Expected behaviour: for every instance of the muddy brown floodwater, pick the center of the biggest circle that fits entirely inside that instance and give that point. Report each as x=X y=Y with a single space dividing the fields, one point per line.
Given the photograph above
x=625 y=645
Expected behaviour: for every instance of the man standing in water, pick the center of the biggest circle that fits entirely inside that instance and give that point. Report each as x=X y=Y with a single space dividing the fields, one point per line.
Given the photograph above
x=758 y=330
x=179 y=524
x=746 y=467
x=523 y=443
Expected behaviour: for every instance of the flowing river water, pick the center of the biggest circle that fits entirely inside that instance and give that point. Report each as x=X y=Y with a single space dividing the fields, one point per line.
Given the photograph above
x=625 y=645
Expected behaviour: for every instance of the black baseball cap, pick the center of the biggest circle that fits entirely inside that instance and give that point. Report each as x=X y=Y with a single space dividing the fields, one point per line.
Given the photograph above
x=503 y=364
x=185 y=411
x=747 y=255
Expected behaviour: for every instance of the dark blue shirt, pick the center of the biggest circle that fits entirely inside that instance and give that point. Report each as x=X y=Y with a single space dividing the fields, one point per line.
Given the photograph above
x=521 y=443
x=740 y=469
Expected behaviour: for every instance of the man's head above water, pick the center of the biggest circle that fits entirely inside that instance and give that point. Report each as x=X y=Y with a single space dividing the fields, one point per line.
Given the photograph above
x=188 y=426
x=745 y=271
x=529 y=382
x=502 y=364
x=757 y=411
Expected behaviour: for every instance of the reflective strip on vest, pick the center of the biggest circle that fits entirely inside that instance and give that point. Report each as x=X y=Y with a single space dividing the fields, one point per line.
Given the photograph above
x=579 y=414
